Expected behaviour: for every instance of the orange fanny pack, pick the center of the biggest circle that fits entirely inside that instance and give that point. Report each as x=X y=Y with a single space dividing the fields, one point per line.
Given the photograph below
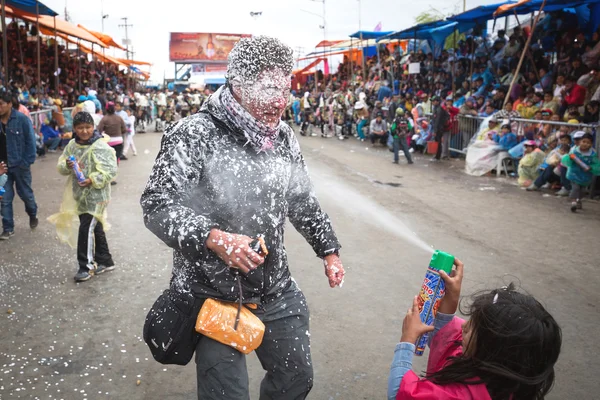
x=231 y=324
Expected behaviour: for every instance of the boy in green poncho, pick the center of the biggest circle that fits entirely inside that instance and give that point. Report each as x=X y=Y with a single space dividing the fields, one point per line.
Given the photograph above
x=582 y=163
x=87 y=199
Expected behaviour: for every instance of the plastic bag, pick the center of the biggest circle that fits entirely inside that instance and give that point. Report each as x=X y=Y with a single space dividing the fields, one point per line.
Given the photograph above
x=217 y=320
x=482 y=157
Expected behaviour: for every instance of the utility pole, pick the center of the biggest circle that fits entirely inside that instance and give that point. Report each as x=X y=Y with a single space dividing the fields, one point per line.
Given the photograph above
x=126 y=25
x=104 y=16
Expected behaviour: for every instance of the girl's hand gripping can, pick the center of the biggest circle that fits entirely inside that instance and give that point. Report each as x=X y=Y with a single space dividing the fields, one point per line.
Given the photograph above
x=431 y=293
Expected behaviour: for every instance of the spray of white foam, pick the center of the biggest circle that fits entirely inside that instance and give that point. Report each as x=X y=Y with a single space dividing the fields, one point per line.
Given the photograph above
x=364 y=208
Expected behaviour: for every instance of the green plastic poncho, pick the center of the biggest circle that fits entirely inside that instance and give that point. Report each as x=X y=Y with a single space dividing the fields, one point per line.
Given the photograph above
x=528 y=167
x=99 y=163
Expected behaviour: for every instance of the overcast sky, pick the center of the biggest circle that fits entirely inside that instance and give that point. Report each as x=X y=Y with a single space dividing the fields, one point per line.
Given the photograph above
x=152 y=20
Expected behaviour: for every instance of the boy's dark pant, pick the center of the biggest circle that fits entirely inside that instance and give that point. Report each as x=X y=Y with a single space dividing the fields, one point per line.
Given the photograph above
x=91 y=232
x=284 y=354
x=400 y=144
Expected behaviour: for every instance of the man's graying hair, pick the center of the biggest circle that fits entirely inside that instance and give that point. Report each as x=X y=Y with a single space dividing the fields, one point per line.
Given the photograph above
x=251 y=56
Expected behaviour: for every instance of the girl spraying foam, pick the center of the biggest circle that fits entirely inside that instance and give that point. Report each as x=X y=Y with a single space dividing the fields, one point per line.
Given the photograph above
x=506 y=351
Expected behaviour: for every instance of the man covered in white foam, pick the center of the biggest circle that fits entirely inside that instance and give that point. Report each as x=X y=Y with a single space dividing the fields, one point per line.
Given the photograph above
x=223 y=176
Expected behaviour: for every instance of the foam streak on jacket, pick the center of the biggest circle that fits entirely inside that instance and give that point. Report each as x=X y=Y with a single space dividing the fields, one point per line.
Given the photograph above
x=208 y=176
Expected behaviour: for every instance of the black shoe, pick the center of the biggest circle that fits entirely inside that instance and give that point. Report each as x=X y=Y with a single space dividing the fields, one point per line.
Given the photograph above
x=6 y=235
x=123 y=158
x=100 y=269
x=113 y=183
x=574 y=206
x=33 y=222
x=396 y=162
x=82 y=275
x=411 y=162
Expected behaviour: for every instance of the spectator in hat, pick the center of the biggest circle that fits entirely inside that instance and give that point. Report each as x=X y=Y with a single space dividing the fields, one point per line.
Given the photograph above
x=488 y=132
x=378 y=129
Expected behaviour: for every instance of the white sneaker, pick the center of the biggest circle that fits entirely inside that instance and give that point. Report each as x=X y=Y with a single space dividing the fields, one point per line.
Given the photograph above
x=135 y=153
x=562 y=192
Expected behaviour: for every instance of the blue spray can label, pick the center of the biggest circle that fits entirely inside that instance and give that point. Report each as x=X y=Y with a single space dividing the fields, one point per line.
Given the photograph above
x=76 y=169
x=431 y=293
x=2 y=191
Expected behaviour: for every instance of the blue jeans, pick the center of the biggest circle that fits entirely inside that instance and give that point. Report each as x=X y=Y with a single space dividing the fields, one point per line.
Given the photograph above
x=19 y=178
x=52 y=143
x=359 y=128
x=400 y=143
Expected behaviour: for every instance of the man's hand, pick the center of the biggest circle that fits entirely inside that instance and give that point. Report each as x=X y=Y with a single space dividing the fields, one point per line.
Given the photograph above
x=412 y=327
x=3 y=168
x=234 y=250
x=334 y=270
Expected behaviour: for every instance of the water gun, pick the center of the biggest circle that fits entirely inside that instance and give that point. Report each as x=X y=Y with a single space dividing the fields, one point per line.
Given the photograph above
x=432 y=292
x=76 y=169
x=579 y=162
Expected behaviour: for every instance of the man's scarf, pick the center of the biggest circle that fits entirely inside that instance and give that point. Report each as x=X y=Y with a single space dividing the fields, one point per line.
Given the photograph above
x=259 y=135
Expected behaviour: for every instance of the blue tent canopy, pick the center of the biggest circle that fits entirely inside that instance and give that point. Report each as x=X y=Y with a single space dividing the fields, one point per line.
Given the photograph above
x=369 y=35
x=29 y=7
x=553 y=5
x=480 y=15
x=215 y=81
x=419 y=31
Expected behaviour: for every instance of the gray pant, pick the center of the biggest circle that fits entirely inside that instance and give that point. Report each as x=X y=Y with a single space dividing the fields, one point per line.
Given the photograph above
x=284 y=354
x=446 y=144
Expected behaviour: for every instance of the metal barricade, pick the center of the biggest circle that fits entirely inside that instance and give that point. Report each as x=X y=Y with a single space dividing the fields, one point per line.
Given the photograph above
x=38 y=118
x=463 y=130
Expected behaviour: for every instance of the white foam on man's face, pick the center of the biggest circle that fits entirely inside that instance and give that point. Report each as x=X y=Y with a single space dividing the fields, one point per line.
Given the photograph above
x=266 y=98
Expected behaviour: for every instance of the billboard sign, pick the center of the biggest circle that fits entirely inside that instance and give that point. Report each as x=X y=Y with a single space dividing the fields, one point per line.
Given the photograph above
x=202 y=47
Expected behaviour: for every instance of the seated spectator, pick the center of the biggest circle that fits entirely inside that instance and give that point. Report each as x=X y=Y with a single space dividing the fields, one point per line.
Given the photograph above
x=378 y=129
x=488 y=111
x=550 y=168
x=487 y=133
x=592 y=113
x=528 y=109
x=50 y=135
x=422 y=135
x=538 y=100
x=529 y=164
x=572 y=94
x=505 y=138
x=549 y=103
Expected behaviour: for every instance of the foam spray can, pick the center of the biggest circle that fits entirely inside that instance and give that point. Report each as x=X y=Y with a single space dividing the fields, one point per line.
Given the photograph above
x=76 y=169
x=579 y=162
x=2 y=191
x=431 y=293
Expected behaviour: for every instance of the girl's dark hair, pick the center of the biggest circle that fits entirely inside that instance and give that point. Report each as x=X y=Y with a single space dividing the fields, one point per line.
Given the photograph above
x=110 y=109
x=514 y=345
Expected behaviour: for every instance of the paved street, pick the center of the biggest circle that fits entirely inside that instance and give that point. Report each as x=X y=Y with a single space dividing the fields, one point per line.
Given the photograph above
x=64 y=340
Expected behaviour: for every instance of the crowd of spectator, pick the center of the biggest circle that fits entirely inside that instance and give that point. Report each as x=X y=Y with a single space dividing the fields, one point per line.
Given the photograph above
x=453 y=92
x=76 y=71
